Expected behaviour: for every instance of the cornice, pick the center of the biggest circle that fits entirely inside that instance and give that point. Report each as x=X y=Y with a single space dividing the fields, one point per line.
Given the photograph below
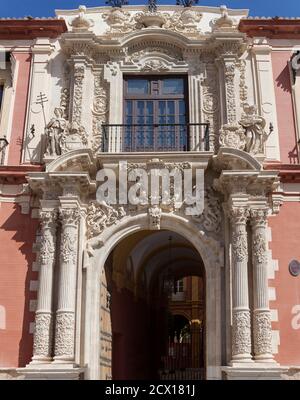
x=16 y=29
x=274 y=28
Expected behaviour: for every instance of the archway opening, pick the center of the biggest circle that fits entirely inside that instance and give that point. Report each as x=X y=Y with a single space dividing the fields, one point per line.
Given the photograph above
x=156 y=284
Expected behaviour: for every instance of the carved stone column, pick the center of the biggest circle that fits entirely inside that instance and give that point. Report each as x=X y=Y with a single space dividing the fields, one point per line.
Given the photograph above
x=65 y=315
x=231 y=133
x=241 y=325
x=262 y=329
x=76 y=107
x=43 y=335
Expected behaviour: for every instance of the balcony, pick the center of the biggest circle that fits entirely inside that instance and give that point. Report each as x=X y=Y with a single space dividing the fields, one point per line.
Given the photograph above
x=155 y=137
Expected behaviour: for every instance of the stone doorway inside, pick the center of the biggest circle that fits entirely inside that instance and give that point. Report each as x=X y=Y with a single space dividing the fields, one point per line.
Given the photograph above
x=155 y=287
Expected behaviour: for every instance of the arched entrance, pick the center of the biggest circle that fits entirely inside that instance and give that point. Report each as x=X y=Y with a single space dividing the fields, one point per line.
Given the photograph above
x=98 y=340
x=151 y=278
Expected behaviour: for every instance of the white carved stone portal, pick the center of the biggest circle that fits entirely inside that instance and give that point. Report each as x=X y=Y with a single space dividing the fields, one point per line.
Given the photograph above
x=78 y=233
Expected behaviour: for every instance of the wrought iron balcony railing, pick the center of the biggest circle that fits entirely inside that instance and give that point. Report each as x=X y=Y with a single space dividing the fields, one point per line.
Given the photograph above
x=156 y=137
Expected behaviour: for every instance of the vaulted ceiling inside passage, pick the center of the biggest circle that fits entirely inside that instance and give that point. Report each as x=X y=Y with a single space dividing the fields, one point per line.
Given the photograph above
x=147 y=254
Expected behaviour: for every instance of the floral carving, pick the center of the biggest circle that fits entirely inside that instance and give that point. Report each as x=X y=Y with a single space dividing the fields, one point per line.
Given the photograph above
x=262 y=333
x=155 y=65
x=210 y=105
x=120 y=21
x=79 y=73
x=100 y=111
x=239 y=246
x=241 y=333
x=212 y=214
x=43 y=335
x=154 y=217
x=64 y=334
x=241 y=64
x=259 y=248
x=69 y=216
x=101 y=216
x=69 y=247
x=229 y=71
x=48 y=227
x=232 y=136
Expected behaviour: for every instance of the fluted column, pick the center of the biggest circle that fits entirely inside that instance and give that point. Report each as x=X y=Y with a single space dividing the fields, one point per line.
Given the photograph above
x=241 y=325
x=65 y=314
x=43 y=335
x=262 y=328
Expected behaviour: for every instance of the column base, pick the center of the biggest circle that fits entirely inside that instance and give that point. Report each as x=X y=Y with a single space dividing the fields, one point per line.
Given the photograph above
x=40 y=360
x=63 y=360
x=51 y=372
x=254 y=371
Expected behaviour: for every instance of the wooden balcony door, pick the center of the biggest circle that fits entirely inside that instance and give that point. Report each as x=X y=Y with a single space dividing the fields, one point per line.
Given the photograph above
x=156 y=114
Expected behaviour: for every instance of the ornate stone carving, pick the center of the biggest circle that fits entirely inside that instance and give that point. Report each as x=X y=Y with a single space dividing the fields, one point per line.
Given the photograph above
x=47 y=249
x=232 y=136
x=224 y=23
x=241 y=65
x=229 y=72
x=55 y=130
x=69 y=216
x=254 y=126
x=212 y=214
x=65 y=102
x=100 y=111
x=239 y=247
x=74 y=137
x=64 y=334
x=238 y=215
x=79 y=73
x=183 y=21
x=81 y=23
x=63 y=136
x=210 y=104
x=262 y=329
x=101 y=216
x=42 y=346
x=154 y=217
x=69 y=247
x=241 y=333
x=259 y=248
x=119 y=21
x=155 y=66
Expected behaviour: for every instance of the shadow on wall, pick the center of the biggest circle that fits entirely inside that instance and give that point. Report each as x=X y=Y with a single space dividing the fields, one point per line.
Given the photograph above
x=283 y=80
x=18 y=233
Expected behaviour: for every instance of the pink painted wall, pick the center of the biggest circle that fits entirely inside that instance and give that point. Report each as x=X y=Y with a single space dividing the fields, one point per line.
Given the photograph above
x=17 y=235
x=284 y=104
x=20 y=108
x=285 y=247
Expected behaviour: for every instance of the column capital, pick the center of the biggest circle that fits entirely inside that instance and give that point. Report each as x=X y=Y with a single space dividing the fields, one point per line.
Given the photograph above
x=69 y=216
x=258 y=217
x=238 y=215
x=48 y=218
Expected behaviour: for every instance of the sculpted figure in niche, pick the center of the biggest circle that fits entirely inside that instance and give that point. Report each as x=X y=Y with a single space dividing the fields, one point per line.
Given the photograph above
x=55 y=131
x=255 y=133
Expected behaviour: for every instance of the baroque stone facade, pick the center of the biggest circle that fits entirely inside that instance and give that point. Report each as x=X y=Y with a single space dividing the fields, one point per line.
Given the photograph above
x=83 y=129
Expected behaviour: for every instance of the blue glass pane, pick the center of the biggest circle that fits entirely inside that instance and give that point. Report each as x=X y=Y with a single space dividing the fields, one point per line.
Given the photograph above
x=140 y=107
x=128 y=107
x=173 y=86
x=171 y=107
x=162 y=108
x=149 y=107
x=181 y=107
x=137 y=86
